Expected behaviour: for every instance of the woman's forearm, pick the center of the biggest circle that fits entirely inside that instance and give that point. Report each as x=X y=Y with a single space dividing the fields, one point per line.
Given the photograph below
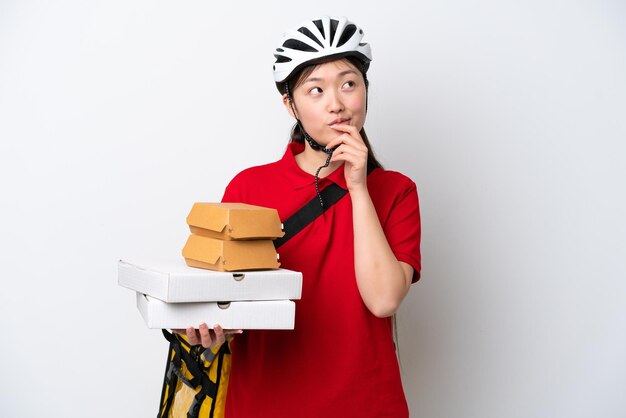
x=382 y=280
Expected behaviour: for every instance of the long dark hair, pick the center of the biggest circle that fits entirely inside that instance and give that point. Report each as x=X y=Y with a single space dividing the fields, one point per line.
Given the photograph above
x=298 y=78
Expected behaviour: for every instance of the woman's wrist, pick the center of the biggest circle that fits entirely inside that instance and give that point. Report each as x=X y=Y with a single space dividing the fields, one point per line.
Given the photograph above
x=359 y=192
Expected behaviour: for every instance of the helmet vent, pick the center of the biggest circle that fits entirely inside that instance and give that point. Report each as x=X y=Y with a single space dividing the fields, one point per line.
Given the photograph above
x=347 y=34
x=282 y=58
x=308 y=33
x=333 y=29
x=320 y=27
x=298 y=45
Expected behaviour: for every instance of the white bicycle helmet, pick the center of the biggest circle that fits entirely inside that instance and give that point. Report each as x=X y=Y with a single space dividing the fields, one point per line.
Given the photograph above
x=317 y=41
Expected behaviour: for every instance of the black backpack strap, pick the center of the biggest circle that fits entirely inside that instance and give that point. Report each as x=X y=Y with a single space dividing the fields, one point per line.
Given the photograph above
x=312 y=210
x=208 y=387
x=169 y=380
x=224 y=349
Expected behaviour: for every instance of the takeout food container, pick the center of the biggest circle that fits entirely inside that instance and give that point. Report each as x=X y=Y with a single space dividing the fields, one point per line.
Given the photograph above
x=230 y=255
x=234 y=221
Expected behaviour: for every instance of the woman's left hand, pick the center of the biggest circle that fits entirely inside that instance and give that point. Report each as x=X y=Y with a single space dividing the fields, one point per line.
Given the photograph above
x=351 y=149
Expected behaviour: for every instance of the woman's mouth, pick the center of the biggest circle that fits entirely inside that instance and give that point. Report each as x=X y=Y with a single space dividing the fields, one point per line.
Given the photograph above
x=340 y=121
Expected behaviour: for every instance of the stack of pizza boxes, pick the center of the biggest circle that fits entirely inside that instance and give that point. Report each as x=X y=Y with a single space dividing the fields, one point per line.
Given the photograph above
x=230 y=275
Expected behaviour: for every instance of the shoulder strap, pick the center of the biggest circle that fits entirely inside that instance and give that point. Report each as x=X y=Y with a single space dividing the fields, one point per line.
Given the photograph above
x=169 y=381
x=311 y=211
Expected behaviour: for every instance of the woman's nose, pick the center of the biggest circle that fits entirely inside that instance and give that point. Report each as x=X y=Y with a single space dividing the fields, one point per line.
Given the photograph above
x=334 y=103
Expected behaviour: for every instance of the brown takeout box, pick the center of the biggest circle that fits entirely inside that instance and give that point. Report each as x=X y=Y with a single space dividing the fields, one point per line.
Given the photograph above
x=216 y=254
x=234 y=221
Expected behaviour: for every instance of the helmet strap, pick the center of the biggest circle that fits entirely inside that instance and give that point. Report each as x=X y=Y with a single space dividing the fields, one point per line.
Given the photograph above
x=367 y=85
x=313 y=143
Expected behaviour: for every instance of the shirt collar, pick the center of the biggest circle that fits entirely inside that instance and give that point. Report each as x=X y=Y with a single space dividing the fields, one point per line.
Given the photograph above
x=300 y=178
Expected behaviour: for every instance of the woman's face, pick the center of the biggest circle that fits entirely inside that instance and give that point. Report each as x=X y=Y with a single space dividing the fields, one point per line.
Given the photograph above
x=334 y=93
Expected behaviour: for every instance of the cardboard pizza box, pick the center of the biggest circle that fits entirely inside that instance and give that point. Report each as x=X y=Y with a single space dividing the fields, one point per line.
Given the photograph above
x=276 y=314
x=173 y=281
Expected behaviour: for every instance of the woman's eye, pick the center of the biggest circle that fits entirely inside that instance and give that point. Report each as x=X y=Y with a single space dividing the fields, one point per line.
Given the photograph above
x=349 y=84
x=315 y=90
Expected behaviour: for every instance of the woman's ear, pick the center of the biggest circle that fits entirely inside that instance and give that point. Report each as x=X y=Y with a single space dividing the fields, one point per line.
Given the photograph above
x=287 y=105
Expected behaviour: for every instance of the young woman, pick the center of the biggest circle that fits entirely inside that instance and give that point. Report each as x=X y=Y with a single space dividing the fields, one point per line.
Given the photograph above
x=358 y=259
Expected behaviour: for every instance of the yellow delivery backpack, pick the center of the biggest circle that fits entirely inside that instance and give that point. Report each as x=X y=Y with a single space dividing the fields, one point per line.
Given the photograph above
x=196 y=379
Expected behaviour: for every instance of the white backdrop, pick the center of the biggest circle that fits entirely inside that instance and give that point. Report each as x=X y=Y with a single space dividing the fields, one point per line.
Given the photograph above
x=510 y=116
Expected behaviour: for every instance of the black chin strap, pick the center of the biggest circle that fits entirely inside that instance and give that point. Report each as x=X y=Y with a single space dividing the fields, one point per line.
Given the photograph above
x=314 y=145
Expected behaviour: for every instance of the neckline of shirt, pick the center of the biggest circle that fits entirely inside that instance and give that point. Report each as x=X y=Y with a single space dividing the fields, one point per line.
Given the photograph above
x=300 y=178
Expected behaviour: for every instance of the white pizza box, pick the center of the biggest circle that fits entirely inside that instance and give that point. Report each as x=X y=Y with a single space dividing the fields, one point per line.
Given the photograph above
x=271 y=314
x=174 y=281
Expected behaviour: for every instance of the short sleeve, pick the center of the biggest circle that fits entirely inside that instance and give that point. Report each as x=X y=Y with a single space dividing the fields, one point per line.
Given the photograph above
x=403 y=229
x=234 y=192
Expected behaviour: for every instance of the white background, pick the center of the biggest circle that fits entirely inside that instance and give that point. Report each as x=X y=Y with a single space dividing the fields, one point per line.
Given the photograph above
x=509 y=115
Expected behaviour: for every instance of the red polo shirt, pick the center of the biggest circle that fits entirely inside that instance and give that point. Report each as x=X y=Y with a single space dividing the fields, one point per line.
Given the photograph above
x=339 y=361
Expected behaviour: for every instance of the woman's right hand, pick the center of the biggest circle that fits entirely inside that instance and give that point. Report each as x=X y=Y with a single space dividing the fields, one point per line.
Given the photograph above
x=205 y=336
